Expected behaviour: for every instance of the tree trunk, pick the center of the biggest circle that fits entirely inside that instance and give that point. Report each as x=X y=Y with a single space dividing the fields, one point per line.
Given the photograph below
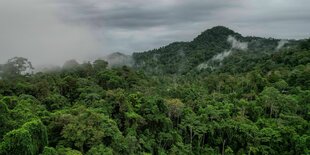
x=223 y=147
x=191 y=130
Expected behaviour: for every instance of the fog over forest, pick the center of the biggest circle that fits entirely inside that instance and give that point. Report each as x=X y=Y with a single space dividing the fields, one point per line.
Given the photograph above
x=49 y=32
x=145 y=77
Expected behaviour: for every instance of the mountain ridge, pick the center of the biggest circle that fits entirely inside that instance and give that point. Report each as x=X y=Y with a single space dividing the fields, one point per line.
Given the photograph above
x=182 y=57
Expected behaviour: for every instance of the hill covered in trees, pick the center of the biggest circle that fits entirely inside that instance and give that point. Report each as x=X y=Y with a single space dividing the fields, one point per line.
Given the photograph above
x=213 y=48
x=221 y=93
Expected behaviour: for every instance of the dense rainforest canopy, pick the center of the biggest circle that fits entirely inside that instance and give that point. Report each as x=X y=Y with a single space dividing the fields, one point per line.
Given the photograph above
x=214 y=95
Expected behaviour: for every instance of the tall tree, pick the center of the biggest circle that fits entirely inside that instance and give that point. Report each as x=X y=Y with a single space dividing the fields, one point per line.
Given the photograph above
x=15 y=67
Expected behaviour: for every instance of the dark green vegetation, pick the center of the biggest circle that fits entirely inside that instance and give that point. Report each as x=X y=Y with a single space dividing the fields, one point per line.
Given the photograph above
x=254 y=101
x=182 y=57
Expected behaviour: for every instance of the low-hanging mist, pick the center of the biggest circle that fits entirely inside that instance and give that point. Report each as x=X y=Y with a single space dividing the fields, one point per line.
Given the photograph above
x=281 y=44
x=53 y=31
x=235 y=45
x=33 y=29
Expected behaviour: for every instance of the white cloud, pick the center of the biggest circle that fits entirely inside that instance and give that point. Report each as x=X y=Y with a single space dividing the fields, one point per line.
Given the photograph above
x=222 y=55
x=281 y=43
x=237 y=44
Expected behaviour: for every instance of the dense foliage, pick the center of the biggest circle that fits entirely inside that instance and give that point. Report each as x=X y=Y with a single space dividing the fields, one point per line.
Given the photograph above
x=182 y=57
x=248 y=105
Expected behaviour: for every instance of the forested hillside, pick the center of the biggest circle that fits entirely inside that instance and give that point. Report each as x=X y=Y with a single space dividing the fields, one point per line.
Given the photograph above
x=210 y=48
x=221 y=93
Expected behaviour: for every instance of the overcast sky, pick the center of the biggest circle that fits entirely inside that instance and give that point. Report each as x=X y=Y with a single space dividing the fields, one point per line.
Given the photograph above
x=52 y=31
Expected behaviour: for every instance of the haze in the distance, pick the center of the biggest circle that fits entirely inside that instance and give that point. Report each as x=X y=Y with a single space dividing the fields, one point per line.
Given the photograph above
x=53 y=31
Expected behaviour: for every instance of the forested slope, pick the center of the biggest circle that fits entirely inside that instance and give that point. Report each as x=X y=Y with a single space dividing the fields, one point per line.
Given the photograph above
x=240 y=105
x=210 y=48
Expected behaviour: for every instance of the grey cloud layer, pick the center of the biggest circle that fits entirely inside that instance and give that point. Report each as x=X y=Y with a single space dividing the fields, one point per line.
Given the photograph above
x=50 y=31
x=143 y=14
x=164 y=21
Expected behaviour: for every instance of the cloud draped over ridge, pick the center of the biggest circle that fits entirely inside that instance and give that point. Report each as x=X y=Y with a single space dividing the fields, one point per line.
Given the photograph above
x=52 y=31
x=237 y=44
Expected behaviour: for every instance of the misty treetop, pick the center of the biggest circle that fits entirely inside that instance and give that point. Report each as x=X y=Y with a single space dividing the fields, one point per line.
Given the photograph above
x=250 y=95
x=209 y=50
